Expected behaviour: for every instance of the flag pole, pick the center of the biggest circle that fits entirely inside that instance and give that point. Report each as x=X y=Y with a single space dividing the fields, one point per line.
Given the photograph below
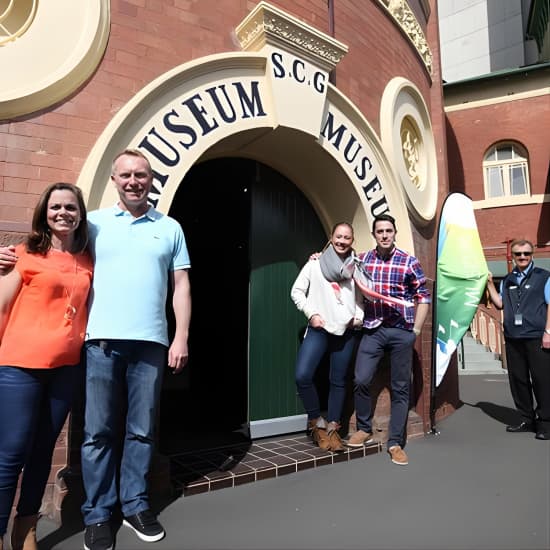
x=460 y=277
x=435 y=328
x=433 y=429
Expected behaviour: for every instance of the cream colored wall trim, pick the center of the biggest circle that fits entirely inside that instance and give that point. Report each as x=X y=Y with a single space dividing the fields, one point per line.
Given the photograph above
x=495 y=100
x=405 y=18
x=268 y=25
x=176 y=122
x=138 y=119
x=58 y=52
x=370 y=172
x=500 y=202
x=408 y=140
x=15 y=18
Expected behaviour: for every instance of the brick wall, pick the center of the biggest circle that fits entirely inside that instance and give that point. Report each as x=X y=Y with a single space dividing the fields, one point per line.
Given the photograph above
x=150 y=37
x=471 y=132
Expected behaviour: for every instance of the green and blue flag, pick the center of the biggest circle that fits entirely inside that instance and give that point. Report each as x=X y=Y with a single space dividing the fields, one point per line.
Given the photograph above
x=461 y=277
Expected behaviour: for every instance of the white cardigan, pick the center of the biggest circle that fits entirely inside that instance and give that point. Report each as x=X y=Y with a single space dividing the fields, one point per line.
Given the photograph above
x=313 y=294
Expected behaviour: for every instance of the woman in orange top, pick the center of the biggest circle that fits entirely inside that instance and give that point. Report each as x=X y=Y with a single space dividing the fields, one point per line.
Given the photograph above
x=43 y=313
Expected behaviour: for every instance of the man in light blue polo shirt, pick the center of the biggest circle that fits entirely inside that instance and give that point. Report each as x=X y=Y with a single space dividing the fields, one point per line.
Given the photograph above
x=136 y=250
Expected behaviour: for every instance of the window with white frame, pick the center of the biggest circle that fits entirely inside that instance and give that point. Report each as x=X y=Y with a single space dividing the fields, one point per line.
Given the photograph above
x=506 y=171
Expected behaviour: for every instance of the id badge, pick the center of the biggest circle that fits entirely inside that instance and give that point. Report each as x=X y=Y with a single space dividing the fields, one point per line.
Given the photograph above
x=518 y=319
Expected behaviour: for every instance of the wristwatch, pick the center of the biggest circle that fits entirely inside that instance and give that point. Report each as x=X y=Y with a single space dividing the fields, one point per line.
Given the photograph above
x=547 y=330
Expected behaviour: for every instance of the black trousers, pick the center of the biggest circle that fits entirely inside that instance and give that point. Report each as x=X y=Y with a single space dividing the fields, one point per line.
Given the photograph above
x=529 y=375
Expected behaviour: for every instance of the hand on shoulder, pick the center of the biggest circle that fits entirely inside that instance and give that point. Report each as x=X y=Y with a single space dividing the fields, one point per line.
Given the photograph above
x=8 y=259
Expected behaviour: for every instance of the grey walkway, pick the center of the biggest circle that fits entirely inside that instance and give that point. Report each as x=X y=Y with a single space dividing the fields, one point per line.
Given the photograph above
x=474 y=486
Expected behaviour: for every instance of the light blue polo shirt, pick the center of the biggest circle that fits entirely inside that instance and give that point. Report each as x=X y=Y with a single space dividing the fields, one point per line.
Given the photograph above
x=133 y=257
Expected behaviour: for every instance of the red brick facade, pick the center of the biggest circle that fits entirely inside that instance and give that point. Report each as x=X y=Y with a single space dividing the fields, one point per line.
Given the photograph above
x=470 y=134
x=150 y=37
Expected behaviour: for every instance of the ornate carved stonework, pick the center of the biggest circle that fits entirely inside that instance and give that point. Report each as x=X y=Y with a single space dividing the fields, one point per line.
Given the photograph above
x=410 y=148
x=400 y=11
x=267 y=24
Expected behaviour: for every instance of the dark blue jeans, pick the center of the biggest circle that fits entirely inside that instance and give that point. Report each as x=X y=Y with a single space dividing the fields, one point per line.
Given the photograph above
x=374 y=343
x=34 y=404
x=119 y=372
x=316 y=343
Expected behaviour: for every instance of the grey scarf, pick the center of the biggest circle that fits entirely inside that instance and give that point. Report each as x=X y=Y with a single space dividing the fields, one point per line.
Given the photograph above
x=331 y=266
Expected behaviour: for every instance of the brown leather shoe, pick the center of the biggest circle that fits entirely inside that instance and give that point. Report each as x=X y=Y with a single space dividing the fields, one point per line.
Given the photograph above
x=359 y=439
x=23 y=534
x=398 y=455
x=335 y=441
x=319 y=433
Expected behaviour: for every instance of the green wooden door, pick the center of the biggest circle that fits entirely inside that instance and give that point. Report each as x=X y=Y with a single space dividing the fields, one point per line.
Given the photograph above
x=245 y=329
x=284 y=231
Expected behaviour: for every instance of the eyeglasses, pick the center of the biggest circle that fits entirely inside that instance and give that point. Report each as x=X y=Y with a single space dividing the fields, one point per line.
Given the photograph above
x=516 y=254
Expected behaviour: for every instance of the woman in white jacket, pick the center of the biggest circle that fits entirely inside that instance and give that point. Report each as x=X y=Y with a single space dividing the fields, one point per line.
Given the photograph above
x=334 y=308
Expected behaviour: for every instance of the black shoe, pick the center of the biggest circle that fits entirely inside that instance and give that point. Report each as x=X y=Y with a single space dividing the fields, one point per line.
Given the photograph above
x=542 y=435
x=145 y=525
x=522 y=427
x=98 y=537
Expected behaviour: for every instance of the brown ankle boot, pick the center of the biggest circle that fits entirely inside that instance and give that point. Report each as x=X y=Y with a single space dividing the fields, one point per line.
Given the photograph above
x=335 y=442
x=23 y=533
x=318 y=428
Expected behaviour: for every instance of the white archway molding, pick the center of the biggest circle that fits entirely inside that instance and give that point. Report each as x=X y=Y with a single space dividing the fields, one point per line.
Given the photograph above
x=231 y=104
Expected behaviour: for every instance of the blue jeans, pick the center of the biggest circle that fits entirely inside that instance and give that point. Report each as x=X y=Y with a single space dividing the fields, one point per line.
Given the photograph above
x=374 y=343
x=316 y=343
x=34 y=404
x=119 y=372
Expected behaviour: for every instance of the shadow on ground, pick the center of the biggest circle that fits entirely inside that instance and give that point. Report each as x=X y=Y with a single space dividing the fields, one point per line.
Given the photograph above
x=71 y=517
x=504 y=415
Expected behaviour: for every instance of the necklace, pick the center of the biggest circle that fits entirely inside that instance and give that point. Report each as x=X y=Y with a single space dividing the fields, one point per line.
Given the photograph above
x=70 y=310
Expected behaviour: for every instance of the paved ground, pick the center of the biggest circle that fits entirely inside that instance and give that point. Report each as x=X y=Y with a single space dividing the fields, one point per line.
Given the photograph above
x=473 y=486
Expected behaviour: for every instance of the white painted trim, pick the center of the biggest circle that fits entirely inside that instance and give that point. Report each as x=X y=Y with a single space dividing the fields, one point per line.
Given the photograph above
x=517 y=200
x=496 y=100
x=277 y=426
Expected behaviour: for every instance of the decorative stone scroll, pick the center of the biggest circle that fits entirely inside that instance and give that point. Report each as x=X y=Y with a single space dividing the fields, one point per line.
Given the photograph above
x=268 y=25
x=402 y=13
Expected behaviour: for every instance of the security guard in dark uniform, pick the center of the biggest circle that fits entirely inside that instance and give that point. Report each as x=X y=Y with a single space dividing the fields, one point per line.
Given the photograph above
x=524 y=297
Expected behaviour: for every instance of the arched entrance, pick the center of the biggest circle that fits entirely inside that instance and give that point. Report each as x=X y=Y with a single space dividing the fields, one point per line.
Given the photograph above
x=245 y=329
x=243 y=105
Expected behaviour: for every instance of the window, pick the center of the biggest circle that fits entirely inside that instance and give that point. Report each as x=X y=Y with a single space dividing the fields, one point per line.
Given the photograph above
x=506 y=171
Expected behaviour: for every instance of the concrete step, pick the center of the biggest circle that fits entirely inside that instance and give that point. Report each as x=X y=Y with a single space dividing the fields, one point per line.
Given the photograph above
x=475 y=358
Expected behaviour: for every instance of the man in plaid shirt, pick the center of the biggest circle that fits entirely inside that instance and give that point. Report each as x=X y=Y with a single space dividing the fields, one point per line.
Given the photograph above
x=389 y=326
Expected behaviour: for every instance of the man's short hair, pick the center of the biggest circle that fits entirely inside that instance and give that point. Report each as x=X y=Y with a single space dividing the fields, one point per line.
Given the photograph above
x=130 y=153
x=521 y=242
x=383 y=218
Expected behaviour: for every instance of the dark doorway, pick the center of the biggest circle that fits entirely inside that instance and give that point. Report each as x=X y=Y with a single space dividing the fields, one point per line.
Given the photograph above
x=249 y=230
x=208 y=402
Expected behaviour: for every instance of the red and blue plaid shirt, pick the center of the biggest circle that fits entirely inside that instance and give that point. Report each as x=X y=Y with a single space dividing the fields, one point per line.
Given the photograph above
x=399 y=275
